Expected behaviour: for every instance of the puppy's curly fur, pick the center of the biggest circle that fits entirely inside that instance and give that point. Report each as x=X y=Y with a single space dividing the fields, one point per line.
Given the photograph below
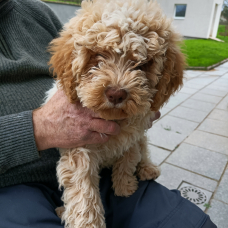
x=123 y=45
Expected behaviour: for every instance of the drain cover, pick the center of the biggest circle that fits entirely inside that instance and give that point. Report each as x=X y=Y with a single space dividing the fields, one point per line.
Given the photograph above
x=195 y=195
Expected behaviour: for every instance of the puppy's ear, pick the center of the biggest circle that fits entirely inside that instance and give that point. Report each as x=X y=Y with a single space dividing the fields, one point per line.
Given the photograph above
x=61 y=50
x=172 y=76
x=67 y=62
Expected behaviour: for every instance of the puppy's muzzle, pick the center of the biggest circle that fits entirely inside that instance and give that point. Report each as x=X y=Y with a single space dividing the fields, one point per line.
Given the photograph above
x=115 y=95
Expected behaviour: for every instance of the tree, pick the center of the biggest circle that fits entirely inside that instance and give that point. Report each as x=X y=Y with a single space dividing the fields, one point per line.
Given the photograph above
x=225 y=15
x=225 y=10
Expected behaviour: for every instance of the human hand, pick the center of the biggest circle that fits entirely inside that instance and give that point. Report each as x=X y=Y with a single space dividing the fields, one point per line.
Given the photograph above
x=62 y=124
x=156 y=116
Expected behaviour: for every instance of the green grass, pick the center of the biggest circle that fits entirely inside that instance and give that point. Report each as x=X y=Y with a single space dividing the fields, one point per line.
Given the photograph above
x=75 y=2
x=203 y=52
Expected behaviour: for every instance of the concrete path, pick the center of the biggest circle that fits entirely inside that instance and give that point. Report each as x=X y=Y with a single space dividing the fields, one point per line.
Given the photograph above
x=63 y=11
x=190 y=142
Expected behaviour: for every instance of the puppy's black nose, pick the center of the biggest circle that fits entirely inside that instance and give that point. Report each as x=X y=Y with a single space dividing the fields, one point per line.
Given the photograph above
x=115 y=95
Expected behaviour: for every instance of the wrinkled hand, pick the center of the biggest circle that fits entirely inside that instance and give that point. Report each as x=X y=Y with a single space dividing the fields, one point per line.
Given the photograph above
x=157 y=116
x=62 y=124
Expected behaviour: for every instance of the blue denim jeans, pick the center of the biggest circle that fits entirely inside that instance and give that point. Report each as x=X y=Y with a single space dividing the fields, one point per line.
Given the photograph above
x=151 y=206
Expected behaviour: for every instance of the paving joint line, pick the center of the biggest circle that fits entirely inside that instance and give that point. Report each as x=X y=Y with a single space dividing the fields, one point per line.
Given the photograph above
x=193 y=172
x=171 y=152
x=159 y=147
x=191 y=96
x=214 y=133
x=210 y=113
x=220 y=201
x=183 y=118
x=213 y=194
x=207 y=149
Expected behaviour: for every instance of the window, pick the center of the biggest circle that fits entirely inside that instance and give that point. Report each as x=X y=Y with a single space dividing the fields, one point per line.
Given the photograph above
x=180 y=10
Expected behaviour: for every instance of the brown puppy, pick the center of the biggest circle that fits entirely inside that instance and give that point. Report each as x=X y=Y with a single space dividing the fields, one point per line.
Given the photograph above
x=119 y=58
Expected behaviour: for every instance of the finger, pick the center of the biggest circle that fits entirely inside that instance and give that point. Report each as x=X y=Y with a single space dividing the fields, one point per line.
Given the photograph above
x=103 y=126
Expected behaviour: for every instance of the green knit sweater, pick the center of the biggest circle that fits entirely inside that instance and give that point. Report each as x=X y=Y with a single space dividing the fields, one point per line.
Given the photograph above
x=26 y=28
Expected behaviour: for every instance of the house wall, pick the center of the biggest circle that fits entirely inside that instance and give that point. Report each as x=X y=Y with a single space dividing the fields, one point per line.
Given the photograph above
x=198 y=19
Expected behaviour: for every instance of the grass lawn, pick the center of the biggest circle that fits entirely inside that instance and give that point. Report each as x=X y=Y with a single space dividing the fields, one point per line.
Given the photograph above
x=203 y=52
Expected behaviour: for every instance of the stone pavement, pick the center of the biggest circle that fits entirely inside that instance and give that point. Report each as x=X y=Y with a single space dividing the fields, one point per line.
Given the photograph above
x=190 y=142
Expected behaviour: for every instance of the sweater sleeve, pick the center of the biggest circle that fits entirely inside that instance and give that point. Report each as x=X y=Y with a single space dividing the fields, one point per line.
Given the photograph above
x=43 y=15
x=17 y=142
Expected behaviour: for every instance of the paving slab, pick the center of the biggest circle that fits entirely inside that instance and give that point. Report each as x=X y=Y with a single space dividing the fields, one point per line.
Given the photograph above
x=188 y=90
x=191 y=85
x=218 y=213
x=172 y=177
x=199 y=160
x=219 y=114
x=193 y=73
x=225 y=64
x=218 y=71
x=223 y=79
x=221 y=82
x=176 y=100
x=209 y=141
x=198 y=105
x=223 y=104
x=216 y=87
x=215 y=126
x=222 y=191
x=203 y=80
x=204 y=75
x=174 y=124
x=189 y=114
x=214 y=92
x=225 y=76
x=164 y=110
x=158 y=155
x=221 y=66
x=207 y=98
x=164 y=139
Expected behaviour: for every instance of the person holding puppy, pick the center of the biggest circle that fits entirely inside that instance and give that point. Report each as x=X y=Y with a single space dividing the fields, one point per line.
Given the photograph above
x=28 y=135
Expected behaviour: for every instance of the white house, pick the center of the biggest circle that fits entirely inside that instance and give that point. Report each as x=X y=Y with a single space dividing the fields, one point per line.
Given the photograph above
x=194 y=18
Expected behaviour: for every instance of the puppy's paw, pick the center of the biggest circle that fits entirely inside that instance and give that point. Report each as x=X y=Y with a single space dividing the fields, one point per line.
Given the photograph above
x=125 y=186
x=59 y=211
x=148 y=171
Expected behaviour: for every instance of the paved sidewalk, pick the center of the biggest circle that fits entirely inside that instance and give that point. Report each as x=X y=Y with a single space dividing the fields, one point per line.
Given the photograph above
x=190 y=142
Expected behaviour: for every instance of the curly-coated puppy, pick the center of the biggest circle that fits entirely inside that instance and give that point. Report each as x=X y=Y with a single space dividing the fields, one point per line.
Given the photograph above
x=119 y=58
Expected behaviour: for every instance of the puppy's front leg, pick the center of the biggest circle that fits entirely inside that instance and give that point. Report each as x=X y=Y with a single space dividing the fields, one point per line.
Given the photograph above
x=146 y=170
x=124 y=181
x=78 y=173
